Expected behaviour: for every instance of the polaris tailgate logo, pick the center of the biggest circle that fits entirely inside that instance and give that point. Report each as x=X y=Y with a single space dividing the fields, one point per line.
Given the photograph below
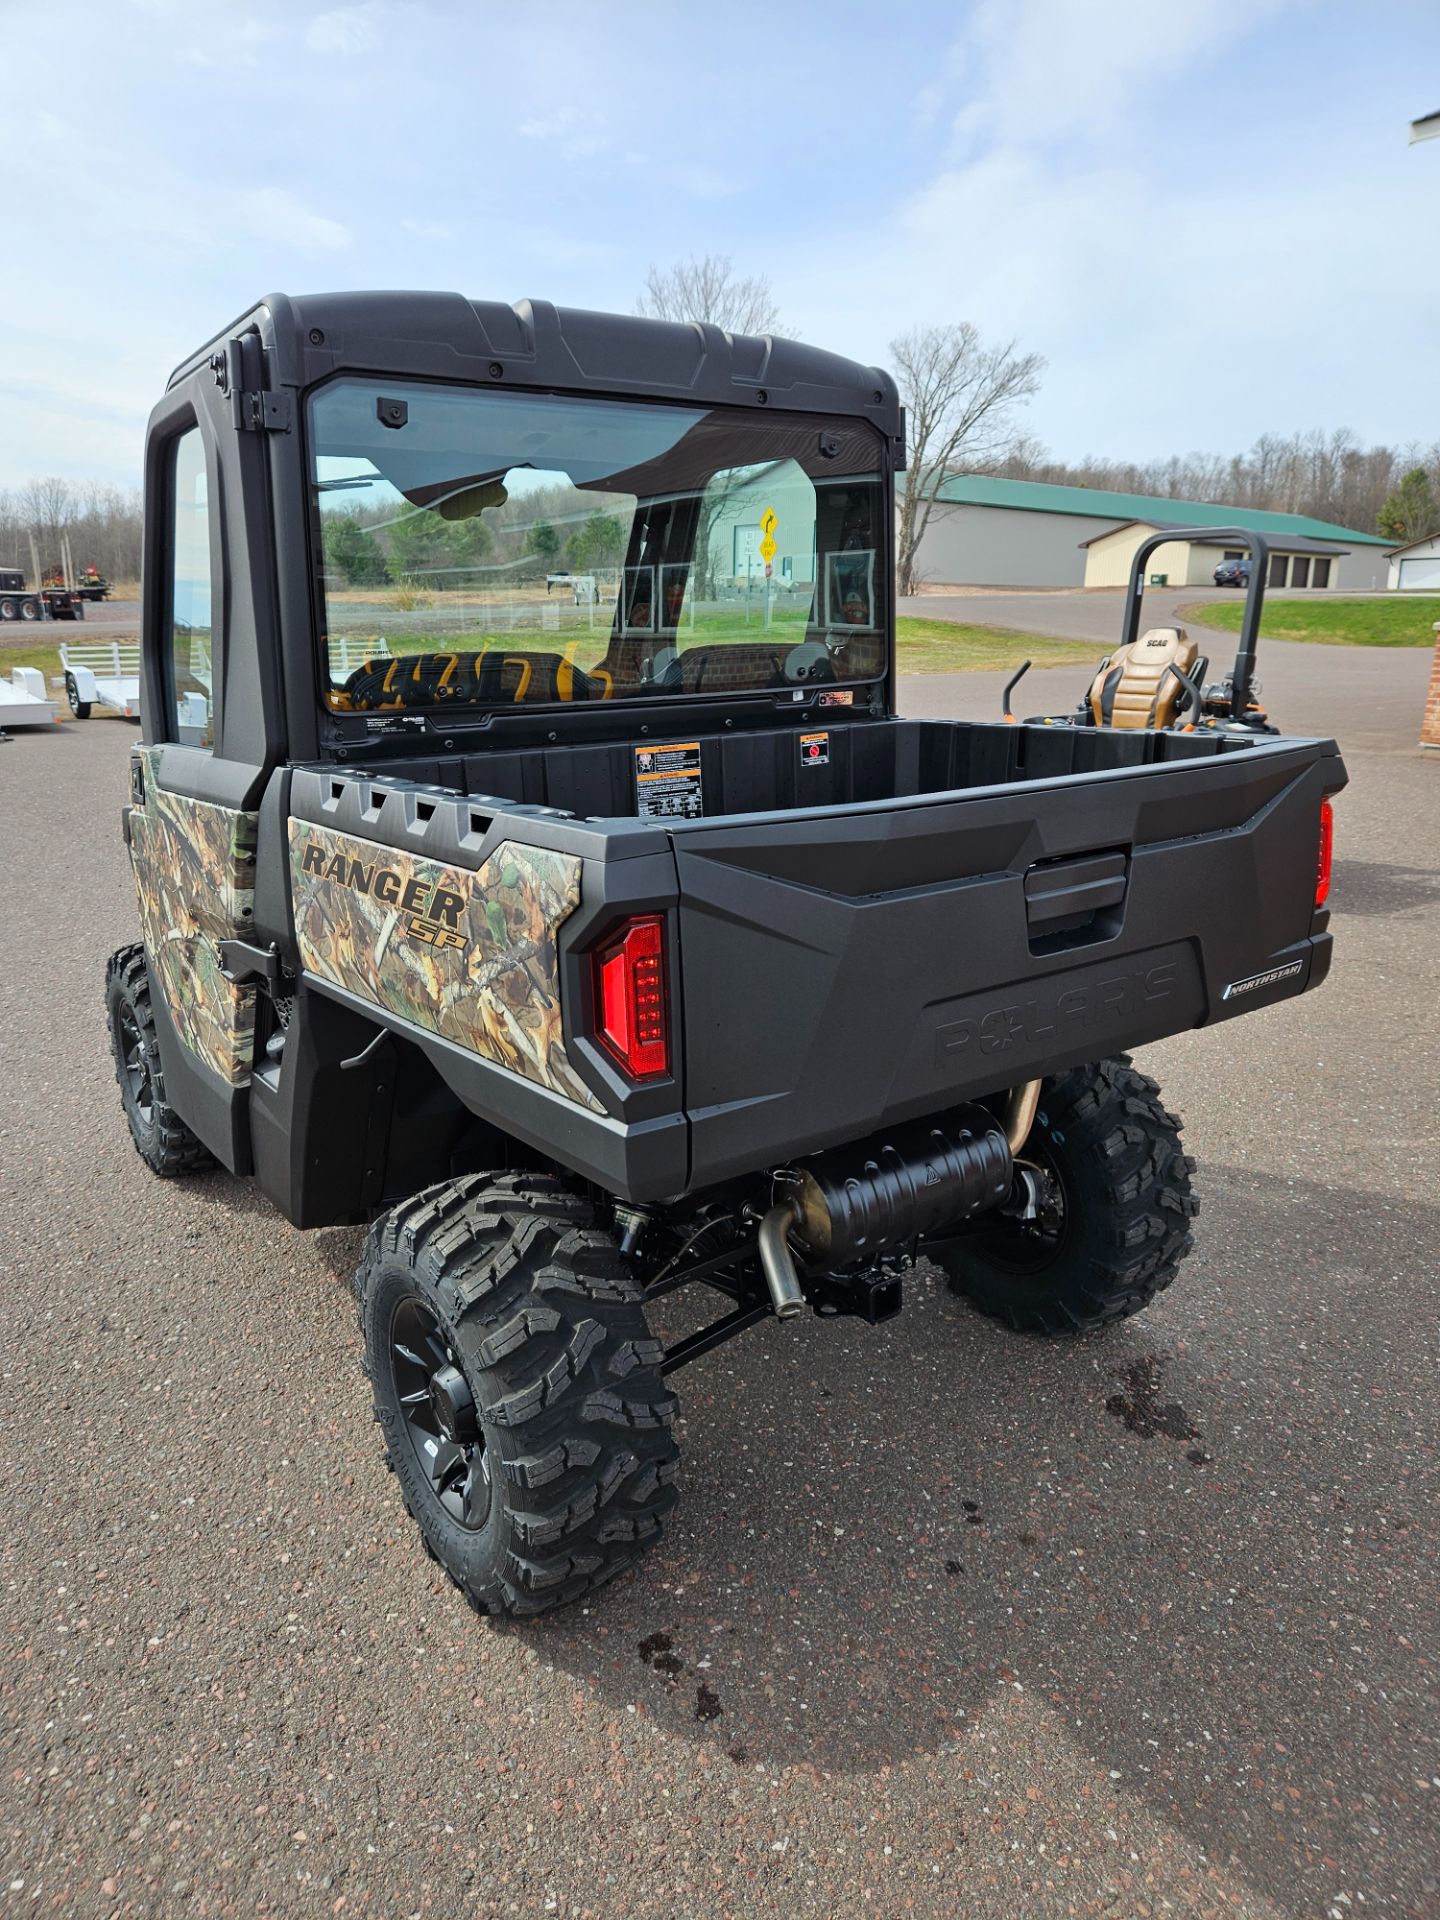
x=1157 y=993
x=1270 y=978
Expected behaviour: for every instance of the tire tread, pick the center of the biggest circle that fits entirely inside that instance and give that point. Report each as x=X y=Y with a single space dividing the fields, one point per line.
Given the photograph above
x=578 y=1426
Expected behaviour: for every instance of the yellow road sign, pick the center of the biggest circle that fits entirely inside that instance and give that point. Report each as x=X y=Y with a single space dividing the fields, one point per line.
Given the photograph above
x=769 y=521
x=767 y=549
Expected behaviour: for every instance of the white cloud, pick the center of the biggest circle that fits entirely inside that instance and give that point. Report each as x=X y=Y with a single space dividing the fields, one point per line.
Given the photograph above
x=573 y=134
x=1198 y=264
x=275 y=216
x=344 y=30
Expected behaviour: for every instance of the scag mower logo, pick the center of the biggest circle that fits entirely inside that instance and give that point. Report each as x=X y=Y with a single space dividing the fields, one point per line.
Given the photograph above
x=433 y=912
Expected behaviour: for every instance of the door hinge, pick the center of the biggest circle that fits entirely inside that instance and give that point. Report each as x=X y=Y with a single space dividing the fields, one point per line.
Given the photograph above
x=266 y=412
x=242 y=960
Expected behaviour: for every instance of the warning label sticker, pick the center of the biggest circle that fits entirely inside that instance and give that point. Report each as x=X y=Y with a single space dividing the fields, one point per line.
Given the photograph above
x=667 y=782
x=814 y=749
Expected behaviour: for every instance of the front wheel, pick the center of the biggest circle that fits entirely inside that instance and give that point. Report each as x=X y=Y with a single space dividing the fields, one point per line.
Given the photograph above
x=1109 y=1206
x=518 y=1389
x=162 y=1139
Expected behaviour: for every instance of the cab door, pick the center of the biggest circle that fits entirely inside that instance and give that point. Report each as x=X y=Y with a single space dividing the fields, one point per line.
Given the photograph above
x=197 y=777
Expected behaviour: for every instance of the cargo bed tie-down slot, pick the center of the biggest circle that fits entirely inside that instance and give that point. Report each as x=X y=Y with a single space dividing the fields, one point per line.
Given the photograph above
x=1075 y=902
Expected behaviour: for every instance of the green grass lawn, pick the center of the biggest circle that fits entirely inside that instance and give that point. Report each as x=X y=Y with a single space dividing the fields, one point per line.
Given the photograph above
x=1401 y=620
x=25 y=653
x=947 y=646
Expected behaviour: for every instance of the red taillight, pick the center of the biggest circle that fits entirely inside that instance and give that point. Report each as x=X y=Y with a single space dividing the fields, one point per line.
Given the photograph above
x=630 y=997
x=1327 y=851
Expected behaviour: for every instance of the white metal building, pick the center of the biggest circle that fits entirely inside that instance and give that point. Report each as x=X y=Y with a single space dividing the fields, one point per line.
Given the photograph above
x=987 y=532
x=1416 y=568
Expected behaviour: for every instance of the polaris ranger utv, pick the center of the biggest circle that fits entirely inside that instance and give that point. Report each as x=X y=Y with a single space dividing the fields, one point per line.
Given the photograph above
x=596 y=948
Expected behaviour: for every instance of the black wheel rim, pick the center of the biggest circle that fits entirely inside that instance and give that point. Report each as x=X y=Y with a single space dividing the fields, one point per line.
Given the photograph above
x=135 y=1067
x=431 y=1390
x=1031 y=1246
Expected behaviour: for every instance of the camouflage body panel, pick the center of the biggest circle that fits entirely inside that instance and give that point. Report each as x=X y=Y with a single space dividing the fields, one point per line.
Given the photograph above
x=194 y=867
x=469 y=956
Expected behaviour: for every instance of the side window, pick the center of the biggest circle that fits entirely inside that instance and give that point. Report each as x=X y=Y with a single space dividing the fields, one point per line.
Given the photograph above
x=190 y=676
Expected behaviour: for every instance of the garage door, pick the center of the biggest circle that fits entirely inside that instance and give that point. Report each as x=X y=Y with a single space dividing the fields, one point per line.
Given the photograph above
x=1421 y=573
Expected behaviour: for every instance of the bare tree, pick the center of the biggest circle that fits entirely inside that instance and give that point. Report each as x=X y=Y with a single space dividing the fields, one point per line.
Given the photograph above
x=710 y=289
x=960 y=397
x=103 y=525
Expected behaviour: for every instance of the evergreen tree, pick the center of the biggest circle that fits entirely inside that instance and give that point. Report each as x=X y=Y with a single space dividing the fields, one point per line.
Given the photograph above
x=1412 y=511
x=353 y=551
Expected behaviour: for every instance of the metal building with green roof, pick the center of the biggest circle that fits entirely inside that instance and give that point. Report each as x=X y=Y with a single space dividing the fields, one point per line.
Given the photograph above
x=1027 y=533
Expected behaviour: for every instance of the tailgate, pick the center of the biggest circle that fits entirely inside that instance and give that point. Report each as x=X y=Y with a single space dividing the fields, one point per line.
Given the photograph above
x=847 y=968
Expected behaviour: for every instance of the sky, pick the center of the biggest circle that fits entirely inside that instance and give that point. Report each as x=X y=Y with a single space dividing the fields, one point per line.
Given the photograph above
x=1205 y=216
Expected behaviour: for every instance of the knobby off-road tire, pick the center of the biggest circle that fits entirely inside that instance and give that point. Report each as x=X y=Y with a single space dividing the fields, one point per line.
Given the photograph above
x=1115 y=1223
x=162 y=1139
x=494 y=1306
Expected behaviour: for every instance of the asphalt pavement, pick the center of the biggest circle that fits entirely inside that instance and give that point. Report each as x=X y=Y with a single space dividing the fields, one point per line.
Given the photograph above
x=948 y=1622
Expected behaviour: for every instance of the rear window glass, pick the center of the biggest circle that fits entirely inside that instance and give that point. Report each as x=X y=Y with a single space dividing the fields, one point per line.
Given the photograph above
x=486 y=548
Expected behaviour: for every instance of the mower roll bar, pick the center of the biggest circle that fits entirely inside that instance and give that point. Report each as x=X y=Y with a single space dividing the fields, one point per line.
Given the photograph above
x=1243 y=672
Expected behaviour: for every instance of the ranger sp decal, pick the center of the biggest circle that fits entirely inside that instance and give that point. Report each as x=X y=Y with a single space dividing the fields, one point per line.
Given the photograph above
x=432 y=912
x=468 y=956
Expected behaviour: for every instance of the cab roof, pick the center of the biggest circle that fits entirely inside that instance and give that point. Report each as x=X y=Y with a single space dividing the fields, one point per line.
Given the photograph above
x=446 y=336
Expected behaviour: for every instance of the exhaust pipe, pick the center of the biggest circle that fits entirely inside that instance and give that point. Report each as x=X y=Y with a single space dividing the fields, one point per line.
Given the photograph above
x=924 y=1178
x=777 y=1263
x=1020 y=1112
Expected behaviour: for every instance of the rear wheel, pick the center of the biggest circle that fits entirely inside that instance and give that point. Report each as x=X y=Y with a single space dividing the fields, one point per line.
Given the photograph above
x=162 y=1139
x=80 y=708
x=29 y=609
x=9 y=609
x=1110 y=1206
x=518 y=1388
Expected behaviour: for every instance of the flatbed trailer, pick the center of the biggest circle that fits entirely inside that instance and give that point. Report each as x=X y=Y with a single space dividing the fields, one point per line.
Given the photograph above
x=23 y=700
x=19 y=602
x=104 y=673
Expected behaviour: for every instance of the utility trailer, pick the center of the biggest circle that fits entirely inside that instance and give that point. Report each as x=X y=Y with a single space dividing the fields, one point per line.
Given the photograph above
x=23 y=700
x=591 y=960
x=104 y=673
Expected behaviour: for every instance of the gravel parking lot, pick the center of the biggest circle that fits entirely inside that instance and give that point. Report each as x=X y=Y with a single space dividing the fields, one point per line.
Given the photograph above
x=948 y=1622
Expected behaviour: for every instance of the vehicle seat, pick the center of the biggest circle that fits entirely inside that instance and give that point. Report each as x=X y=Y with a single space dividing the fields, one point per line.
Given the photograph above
x=1135 y=687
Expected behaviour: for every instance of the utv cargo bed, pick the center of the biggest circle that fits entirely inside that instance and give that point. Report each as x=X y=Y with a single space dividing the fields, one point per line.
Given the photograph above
x=936 y=911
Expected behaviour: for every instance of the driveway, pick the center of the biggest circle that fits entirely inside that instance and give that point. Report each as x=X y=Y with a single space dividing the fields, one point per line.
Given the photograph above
x=948 y=1622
